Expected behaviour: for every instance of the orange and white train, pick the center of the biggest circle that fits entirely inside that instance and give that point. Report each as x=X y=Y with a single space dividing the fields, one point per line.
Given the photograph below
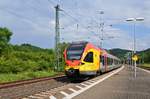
x=85 y=59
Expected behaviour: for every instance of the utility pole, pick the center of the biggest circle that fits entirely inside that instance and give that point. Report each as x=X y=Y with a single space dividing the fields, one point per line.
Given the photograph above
x=134 y=51
x=101 y=27
x=57 y=39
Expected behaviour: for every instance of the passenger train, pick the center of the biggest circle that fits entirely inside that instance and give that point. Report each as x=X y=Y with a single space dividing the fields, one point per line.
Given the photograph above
x=84 y=59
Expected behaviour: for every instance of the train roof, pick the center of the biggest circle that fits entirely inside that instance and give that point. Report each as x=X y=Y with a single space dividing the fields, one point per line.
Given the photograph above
x=104 y=52
x=79 y=43
x=112 y=56
x=85 y=43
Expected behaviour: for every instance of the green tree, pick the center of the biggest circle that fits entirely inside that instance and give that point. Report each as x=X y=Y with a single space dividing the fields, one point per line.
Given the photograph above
x=5 y=36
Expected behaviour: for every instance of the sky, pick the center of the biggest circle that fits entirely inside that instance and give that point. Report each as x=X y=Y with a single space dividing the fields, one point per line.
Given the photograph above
x=33 y=22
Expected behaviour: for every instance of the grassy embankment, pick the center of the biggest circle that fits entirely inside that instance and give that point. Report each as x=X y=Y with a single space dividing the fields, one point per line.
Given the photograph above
x=145 y=66
x=26 y=62
x=10 y=77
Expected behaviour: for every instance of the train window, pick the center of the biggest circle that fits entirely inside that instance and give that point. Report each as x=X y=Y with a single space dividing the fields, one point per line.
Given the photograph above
x=74 y=52
x=115 y=61
x=109 y=61
x=89 y=57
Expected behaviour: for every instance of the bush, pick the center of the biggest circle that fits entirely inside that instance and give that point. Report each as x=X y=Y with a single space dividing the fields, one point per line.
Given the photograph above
x=16 y=65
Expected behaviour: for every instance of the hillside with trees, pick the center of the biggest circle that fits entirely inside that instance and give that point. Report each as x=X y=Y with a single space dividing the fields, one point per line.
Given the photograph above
x=24 y=61
x=120 y=53
x=144 y=56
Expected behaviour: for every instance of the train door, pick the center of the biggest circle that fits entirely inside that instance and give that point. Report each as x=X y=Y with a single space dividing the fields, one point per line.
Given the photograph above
x=102 y=63
x=96 y=62
x=105 y=63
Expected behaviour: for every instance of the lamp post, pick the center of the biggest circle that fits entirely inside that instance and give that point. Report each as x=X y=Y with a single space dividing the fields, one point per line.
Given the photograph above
x=134 y=49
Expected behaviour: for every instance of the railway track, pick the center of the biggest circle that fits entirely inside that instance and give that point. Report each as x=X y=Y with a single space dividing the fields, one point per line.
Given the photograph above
x=42 y=86
x=19 y=89
x=73 y=89
x=29 y=81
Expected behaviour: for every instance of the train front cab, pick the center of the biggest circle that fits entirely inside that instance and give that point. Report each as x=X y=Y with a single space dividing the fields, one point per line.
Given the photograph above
x=88 y=65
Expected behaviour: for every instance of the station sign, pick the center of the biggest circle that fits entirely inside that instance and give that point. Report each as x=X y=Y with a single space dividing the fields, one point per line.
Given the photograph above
x=135 y=57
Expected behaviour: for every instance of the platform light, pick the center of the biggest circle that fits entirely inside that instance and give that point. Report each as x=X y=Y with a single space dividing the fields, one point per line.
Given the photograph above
x=140 y=19
x=130 y=19
x=134 y=20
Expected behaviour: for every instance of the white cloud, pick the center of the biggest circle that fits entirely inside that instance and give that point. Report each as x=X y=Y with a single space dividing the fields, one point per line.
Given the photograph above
x=35 y=18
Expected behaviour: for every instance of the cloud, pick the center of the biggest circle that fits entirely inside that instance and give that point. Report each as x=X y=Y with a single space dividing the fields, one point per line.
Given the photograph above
x=29 y=21
x=34 y=21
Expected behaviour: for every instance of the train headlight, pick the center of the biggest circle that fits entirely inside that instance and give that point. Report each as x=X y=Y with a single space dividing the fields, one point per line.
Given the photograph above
x=81 y=63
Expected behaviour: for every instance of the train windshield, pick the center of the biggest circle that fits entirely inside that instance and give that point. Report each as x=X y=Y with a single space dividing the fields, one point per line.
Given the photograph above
x=74 y=52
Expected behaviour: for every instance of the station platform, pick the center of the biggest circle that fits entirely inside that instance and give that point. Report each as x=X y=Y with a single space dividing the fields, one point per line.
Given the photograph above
x=122 y=85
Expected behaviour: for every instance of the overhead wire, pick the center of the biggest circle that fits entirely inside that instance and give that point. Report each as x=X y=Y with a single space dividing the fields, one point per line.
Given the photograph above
x=15 y=14
x=68 y=14
x=77 y=21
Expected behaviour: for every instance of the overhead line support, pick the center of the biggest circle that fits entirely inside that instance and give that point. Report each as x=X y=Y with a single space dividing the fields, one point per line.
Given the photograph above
x=57 y=38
